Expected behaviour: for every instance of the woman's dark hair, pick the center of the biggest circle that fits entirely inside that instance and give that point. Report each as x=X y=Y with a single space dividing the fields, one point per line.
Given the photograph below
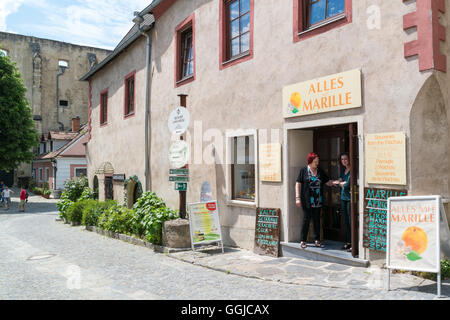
x=344 y=154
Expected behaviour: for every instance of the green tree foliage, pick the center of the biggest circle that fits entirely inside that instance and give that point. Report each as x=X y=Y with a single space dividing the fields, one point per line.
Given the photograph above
x=17 y=132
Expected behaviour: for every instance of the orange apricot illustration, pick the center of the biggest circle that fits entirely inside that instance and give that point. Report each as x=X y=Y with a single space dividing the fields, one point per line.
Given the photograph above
x=416 y=239
x=296 y=99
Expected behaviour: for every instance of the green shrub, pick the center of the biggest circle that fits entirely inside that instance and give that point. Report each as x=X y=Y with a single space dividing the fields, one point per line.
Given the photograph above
x=150 y=212
x=72 y=192
x=116 y=219
x=75 y=211
x=87 y=194
x=47 y=192
x=93 y=210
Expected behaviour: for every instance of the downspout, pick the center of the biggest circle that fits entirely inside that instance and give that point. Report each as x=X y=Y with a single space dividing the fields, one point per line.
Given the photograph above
x=148 y=185
x=61 y=125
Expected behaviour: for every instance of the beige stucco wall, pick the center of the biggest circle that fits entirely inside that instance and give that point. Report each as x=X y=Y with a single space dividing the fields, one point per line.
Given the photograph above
x=121 y=141
x=249 y=95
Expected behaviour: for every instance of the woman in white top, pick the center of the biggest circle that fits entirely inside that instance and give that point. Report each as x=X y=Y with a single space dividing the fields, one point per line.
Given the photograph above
x=7 y=197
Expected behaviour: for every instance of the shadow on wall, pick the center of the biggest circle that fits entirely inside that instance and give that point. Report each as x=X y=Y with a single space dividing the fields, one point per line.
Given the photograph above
x=429 y=142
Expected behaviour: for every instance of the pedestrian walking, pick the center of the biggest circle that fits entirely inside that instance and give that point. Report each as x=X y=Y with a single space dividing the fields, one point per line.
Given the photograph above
x=309 y=196
x=7 y=197
x=2 y=187
x=23 y=199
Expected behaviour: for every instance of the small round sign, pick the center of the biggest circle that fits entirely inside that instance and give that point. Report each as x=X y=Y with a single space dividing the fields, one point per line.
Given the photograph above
x=178 y=154
x=179 y=120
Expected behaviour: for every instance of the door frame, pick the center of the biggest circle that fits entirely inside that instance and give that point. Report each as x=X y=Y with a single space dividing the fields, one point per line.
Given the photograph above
x=359 y=120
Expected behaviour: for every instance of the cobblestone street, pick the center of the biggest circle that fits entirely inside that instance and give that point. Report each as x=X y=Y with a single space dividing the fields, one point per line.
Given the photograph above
x=45 y=259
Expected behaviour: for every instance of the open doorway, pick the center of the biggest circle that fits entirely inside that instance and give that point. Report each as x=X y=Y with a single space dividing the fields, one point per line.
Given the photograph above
x=329 y=142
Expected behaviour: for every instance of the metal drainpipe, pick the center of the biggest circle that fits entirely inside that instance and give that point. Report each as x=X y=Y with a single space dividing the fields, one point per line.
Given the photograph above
x=148 y=185
x=57 y=98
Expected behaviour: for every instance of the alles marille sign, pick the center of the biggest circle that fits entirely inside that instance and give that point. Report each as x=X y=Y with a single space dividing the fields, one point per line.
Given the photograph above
x=332 y=93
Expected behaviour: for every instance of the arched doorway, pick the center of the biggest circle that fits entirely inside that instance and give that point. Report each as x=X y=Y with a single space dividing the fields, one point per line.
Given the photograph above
x=133 y=190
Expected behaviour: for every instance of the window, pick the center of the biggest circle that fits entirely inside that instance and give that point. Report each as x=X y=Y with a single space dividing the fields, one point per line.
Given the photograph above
x=80 y=172
x=187 y=54
x=63 y=63
x=40 y=174
x=104 y=107
x=47 y=174
x=185 y=51
x=129 y=94
x=243 y=169
x=320 y=10
x=63 y=103
x=237 y=31
x=312 y=17
x=242 y=173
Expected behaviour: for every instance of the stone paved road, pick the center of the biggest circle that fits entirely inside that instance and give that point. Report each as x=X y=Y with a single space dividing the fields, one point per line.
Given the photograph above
x=44 y=259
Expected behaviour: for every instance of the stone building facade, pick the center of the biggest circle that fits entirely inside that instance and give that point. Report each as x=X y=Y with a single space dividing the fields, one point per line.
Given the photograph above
x=237 y=107
x=38 y=61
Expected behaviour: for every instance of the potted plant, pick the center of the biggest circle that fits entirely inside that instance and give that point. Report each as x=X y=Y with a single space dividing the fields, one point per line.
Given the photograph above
x=46 y=193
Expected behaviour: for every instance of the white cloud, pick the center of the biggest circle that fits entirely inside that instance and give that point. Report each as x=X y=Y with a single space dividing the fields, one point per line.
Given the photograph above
x=6 y=8
x=98 y=23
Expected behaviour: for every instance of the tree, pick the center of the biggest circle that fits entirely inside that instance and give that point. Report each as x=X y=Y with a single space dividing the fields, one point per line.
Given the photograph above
x=17 y=132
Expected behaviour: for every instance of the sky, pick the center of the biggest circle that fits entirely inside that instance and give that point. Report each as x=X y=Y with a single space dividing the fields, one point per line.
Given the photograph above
x=96 y=23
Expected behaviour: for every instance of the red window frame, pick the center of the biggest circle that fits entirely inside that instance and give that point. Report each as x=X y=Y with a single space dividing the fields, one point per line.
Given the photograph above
x=301 y=31
x=126 y=110
x=225 y=61
x=103 y=108
x=180 y=31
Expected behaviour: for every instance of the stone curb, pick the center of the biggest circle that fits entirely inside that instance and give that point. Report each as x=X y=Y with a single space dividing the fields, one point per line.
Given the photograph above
x=134 y=240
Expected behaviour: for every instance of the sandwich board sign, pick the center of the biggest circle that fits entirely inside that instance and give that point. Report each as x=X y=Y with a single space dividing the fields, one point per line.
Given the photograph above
x=413 y=235
x=204 y=223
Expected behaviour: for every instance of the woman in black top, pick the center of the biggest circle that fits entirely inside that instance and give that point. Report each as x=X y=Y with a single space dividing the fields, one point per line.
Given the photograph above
x=309 y=196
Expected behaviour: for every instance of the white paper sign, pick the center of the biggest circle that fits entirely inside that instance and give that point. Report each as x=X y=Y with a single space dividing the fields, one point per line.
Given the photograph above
x=178 y=154
x=413 y=233
x=179 y=120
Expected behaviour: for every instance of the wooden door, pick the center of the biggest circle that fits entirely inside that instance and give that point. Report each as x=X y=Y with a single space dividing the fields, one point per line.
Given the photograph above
x=329 y=144
x=354 y=160
x=109 y=192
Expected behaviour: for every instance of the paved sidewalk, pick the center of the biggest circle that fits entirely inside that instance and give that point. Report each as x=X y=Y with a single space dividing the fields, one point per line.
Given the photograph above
x=286 y=270
x=310 y=273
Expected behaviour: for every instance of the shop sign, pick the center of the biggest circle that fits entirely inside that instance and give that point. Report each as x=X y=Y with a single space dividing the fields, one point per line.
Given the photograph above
x=204 y=222
x=267 y=231
x=332 y=93
x=119 y=177
x=179 y=120
x=413 y=233
x=178 y=154
x=385 y=155
x=375 y=217
x=270 y=162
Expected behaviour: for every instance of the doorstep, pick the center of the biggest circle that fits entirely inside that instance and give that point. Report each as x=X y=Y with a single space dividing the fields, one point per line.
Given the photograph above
x=330 y=253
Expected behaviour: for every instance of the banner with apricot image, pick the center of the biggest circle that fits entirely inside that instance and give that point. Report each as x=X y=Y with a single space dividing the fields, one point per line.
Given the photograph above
x=413 y=233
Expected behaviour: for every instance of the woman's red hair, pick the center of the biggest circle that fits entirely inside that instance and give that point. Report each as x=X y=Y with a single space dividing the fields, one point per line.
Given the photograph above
x=311 y=157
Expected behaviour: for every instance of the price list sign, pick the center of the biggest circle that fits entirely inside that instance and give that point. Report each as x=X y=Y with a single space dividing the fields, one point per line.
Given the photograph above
x=375 y=216
x=267 y=231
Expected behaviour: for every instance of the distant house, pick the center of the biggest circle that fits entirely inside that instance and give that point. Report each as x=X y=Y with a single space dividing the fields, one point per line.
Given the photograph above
x=61 y=157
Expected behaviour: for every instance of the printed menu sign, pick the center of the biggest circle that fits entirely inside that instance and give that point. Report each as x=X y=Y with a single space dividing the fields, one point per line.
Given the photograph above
x=375 y=215
x=413 y=233
x=204 y=222
x=386 y=158
x=270 y=162
x=267 y=231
